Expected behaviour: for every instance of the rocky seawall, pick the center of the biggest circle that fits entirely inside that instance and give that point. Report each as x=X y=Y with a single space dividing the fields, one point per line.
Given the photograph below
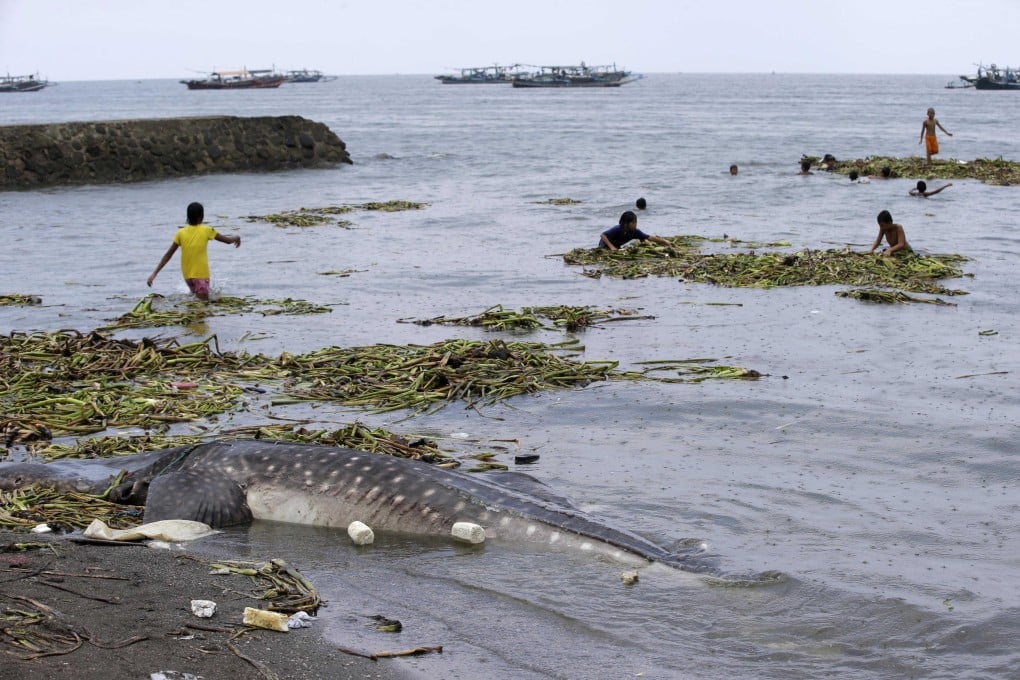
x=103 y=152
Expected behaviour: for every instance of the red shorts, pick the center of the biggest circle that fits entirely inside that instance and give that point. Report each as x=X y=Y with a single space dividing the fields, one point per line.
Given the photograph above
x=200 y=287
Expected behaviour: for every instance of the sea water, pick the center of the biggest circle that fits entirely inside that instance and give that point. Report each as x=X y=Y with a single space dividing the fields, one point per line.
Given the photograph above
x=875 y=464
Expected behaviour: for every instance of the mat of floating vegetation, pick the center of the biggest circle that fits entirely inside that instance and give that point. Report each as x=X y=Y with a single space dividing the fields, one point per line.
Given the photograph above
x=496 y=318
x=888 y=296
x=155 y=310
x=16 y=299
x=313 y=217
x=988 y=170
x=557 y=201
x=69 y=383
x=909 y=272
x=74 y=384
x=354 y=436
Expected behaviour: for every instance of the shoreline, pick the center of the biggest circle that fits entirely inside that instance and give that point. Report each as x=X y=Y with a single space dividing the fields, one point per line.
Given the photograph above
x=103 y=611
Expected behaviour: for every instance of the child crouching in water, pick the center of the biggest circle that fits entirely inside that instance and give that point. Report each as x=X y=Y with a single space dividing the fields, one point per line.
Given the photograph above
x=192 y=240
x=892 y=233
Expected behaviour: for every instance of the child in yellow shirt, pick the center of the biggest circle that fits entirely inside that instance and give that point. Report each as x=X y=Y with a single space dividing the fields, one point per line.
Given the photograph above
x=192 y=240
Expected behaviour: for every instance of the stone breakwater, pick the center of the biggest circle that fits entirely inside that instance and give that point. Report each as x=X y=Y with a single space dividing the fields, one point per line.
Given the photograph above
x=102 y=152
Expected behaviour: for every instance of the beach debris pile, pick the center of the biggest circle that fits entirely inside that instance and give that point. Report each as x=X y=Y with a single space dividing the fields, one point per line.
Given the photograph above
x=314 y=217
x=910 y=272
x=25 y=508
x=285 y=588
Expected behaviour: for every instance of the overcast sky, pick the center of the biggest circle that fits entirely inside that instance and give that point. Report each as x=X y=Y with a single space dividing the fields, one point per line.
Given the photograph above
x=113 y=39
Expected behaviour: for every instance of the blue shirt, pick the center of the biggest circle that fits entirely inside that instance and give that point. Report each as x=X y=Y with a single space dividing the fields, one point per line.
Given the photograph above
x=618 y=236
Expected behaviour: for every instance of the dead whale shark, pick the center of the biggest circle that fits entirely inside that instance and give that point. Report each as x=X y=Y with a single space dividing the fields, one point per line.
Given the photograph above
x=226 y=483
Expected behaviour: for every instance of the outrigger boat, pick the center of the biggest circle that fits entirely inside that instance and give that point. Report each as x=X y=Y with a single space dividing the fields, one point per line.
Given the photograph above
x=237 y=80
x=994 y=78
x=576 y=76
x=307 y=76
x=11 y=83
x=481 y=75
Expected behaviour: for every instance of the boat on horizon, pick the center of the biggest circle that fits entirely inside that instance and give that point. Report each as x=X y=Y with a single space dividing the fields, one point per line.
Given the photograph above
x=481 y=75
x=237 y=80
x=31 y=83
x=994 y=78
x=576 y=76
x=305 y=75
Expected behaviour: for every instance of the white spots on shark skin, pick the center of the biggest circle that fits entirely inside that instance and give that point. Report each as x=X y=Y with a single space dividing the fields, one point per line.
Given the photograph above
x=428 y=493
x=530 y=531
x=397 y=500
x=553 y=537
x=460 y=506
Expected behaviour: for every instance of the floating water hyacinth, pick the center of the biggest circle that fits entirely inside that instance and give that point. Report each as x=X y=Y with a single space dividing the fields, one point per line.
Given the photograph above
x=988 y=170
x=909 y=272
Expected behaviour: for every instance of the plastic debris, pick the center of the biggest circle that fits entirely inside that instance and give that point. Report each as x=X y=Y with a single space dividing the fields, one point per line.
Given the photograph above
x=629 y=577
x=167 y=530
x=300 y=620
x=41 y=529
x=261 y=618
x=360 y=533
x=203 y=609
x=468 y=532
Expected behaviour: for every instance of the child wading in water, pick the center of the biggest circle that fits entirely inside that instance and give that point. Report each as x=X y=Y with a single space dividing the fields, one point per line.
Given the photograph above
x=931 y=142
x=192 y=240
x=892 y=233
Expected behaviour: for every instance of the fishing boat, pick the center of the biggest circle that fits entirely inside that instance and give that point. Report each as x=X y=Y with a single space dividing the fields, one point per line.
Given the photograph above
x=994 y=78
x=237 y=80
x=11 y=83
x=576 y=76
x=481 y=75
x=307 y=76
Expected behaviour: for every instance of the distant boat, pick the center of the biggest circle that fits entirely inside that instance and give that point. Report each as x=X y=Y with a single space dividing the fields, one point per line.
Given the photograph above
x=481 y=75
x=576 y=76
x=960 y=83
x=11 y=83
x=994 y=78
x=307 y=76
x=237 y=80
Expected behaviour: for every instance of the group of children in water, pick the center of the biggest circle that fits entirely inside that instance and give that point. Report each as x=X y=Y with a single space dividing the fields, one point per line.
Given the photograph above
x=193 y=238
x=893 y=233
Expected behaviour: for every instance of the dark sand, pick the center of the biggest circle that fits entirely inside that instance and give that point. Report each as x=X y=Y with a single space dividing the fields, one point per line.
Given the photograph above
x=147 y=596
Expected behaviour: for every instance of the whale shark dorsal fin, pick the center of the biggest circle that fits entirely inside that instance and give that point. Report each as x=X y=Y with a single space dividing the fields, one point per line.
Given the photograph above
x=528 y=485
x=204 y=496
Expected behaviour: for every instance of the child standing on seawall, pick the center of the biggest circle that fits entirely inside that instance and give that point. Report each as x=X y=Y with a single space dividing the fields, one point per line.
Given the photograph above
x=892 y=233
x=192 y=240
x=931 y=142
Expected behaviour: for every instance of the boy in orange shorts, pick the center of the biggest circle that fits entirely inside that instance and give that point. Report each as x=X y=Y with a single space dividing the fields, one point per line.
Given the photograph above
x=931 y=142
x=192 y=240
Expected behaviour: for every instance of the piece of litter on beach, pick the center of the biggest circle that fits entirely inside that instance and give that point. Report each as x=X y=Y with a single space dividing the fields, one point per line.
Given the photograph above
x=41 y=529
x=203 y=609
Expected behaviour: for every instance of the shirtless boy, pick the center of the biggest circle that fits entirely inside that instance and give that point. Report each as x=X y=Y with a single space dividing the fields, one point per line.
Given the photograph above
x=892 y=233
x=931 y=142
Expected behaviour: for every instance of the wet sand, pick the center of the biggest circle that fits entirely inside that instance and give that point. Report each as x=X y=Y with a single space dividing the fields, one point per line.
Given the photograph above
x=124 y=612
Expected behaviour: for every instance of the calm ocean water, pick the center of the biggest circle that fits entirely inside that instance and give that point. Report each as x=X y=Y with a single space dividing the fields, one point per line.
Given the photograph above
x=880 y=475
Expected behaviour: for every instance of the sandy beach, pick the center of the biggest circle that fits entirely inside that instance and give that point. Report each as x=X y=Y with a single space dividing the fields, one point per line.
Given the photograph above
x=124 y=612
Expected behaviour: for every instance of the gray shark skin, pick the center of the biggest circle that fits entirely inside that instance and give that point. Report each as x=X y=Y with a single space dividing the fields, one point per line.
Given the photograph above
x=232 y=482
